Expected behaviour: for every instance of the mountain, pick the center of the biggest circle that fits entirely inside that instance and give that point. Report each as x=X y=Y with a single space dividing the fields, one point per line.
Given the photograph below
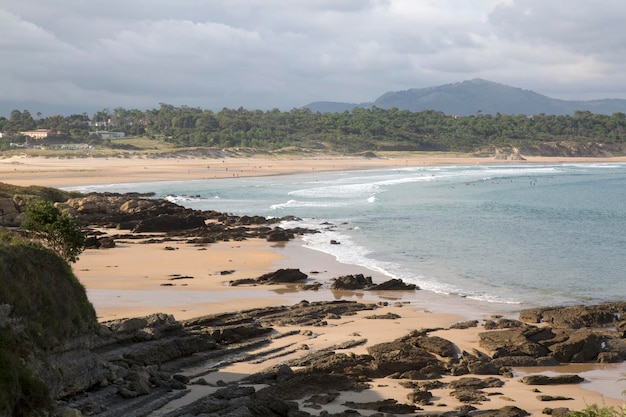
x=474 y=96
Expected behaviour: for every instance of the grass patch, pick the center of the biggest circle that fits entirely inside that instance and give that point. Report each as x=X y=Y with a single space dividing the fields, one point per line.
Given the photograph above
x=42 y=291
x=36 y=191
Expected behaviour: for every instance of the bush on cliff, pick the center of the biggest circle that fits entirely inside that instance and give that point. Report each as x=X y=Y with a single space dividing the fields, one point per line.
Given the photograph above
x=42 y=304
x=55 y=229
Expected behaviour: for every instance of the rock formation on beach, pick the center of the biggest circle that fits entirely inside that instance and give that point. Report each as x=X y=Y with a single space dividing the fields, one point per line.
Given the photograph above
x=157 y=365
x=134 y=366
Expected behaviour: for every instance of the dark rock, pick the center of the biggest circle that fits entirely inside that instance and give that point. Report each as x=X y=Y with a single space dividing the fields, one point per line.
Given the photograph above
x=181 y=378
x=393 y=285
x=552 y=380
x=168 y=223
x=234 y=391
x=506 y=411
x=94 y=242
x=580 y=346
x=279 y=235
x=351 y=282
x=323 y=399
x=502 y=323
x=465 y=324
x=468 y=395
x=600 y=315
x=553 y=398
x=398 y=357
x=387 y=316
x=517 y=361
x=511 y=342
x=437 y=345
x=243 y=281
x=106 y=242
x=249 y=220
x=483 y=367
x=557 y=412
x=305 y=384
x=282 y=276
x=385 y=406
x=476 y=383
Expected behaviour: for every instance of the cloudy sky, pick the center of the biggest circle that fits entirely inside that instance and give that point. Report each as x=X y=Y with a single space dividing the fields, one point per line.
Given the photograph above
x=264 y=54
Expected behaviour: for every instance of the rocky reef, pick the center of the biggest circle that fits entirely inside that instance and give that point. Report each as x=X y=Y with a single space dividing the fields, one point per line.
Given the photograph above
x=136 y=366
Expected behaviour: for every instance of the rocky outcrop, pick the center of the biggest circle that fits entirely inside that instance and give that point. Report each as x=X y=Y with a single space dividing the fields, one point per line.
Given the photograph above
x=140 y=214
x=133 y=366
x=563 y=335
x=600 y=315
x=165 y=220
x=361 y=282
x=574 y=149
x=351 y=282
x=11 y=212
x=280 y=276
x=393 y=285
x=130 y=366
x=552 y=380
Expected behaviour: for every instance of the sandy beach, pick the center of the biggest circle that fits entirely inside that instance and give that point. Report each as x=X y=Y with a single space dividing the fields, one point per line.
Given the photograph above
x=64 y=172
x=135 y=279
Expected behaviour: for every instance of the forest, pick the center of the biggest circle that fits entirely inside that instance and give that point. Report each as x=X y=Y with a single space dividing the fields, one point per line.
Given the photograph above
x=362 y=129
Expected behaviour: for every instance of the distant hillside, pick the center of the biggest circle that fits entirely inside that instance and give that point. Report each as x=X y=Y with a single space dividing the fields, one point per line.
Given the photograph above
x=477 y=96
x=335 y=107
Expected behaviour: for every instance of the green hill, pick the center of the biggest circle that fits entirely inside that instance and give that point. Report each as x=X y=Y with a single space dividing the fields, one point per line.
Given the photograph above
x=477 y=96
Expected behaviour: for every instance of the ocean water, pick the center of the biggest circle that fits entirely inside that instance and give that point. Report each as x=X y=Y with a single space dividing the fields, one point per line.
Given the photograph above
x=525 y=234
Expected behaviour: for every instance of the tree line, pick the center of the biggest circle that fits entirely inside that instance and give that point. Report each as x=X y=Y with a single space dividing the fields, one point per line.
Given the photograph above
x=357 y=130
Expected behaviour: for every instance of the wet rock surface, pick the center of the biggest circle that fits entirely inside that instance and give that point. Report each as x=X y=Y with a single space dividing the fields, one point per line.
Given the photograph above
x=135 y=366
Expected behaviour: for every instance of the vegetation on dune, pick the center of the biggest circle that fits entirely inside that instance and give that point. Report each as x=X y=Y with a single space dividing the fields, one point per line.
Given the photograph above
x=359 y=130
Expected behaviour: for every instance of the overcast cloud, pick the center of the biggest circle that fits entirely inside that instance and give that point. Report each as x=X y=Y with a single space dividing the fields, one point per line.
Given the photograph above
x=264 y=54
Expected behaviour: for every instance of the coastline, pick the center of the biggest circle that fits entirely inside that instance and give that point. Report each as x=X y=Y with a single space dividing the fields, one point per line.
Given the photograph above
x=119 y=286
x=68 y=172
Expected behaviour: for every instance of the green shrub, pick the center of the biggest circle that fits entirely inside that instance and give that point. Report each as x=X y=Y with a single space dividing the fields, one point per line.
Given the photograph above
x=55 y=229
x=597 y=411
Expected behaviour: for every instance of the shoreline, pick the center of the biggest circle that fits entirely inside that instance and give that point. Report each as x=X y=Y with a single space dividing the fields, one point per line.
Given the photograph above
x=120 y=286
x=72 y=172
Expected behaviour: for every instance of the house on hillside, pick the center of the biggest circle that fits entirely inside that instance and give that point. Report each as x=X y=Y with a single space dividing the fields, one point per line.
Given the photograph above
x=39 y=133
